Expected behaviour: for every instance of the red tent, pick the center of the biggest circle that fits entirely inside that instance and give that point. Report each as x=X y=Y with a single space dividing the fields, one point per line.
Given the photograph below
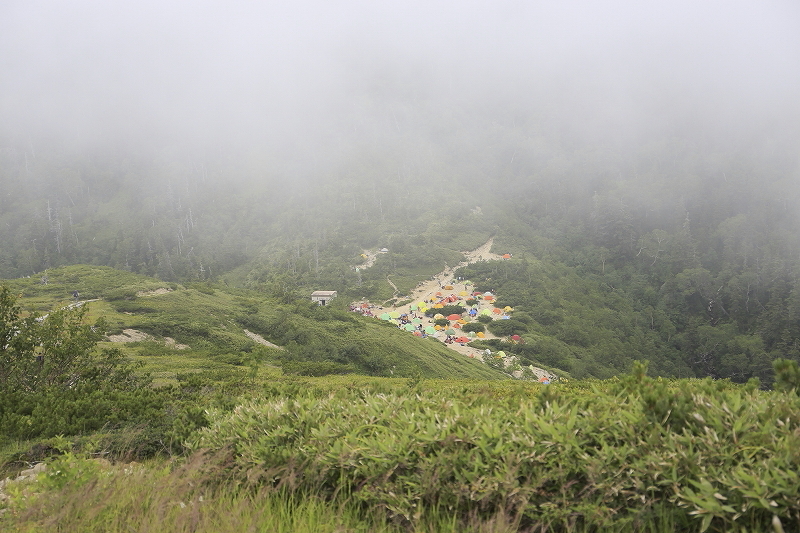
x=454 y=317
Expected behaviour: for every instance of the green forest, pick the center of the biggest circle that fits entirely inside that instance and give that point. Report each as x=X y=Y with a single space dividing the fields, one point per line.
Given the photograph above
x=681 y=253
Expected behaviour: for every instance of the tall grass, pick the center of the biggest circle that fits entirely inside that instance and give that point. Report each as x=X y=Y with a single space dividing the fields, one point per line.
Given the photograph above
x=195 y=496
x=163 y=497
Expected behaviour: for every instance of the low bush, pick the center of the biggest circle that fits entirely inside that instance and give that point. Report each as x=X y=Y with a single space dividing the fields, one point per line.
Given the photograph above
x=473 y=326
x=594 y=456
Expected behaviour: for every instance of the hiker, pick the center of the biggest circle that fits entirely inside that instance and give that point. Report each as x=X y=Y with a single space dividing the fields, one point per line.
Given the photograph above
x=75 y=295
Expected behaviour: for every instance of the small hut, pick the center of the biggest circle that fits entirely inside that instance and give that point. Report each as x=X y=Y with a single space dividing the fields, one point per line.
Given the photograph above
x=323 y=297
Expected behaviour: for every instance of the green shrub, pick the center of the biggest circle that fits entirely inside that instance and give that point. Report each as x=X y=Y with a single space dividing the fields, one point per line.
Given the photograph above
x=608 y=455
x=316 y=368
x=504 y=328
x=473 y=326
x=446 y=310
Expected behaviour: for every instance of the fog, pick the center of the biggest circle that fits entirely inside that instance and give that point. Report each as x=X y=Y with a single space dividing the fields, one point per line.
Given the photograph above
x=203 y=74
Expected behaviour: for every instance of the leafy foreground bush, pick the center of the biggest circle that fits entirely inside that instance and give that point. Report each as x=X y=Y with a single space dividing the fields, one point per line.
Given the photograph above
x=632 y=454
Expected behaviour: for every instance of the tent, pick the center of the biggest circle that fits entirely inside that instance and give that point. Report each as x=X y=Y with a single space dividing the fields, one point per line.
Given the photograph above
x=394 y=314
x=454 y=316
x=515 y=337
x=385 y=316
x=508 y=308
x=462 y=293
x=480 y=334
x=448 y=287
x=450 y=331
x=418 y=333
x=544 y=380
x=506 y=256
x=437 y=316
x=497 y=311
x=430 y=330
x=462 y=339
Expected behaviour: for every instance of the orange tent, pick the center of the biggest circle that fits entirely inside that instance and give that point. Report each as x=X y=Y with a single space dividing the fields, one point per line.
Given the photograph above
x=453 y=317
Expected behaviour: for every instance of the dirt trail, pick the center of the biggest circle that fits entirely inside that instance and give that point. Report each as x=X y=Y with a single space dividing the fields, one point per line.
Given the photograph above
x=261 y=340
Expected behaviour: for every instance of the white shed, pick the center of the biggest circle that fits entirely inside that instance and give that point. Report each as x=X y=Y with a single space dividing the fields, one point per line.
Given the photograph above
x=323 y=297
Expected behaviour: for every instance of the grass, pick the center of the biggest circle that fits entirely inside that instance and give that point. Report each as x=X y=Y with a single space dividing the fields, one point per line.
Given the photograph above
x=211 y=320
x=191 y=495
x=357 y=453
x=100 y=497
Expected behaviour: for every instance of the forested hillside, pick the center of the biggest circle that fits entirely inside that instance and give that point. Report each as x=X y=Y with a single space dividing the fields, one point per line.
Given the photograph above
x=675 y=252
x=648 y=192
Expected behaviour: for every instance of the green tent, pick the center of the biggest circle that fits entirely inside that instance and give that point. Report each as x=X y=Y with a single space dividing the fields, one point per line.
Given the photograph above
x=430 y=330
x=385 y=316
